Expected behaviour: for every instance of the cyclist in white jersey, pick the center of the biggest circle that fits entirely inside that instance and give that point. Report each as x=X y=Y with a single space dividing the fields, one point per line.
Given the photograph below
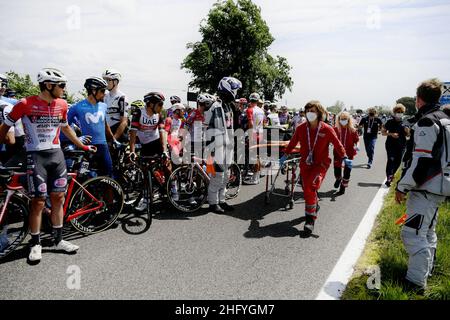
x=255 y=117
x=13 y=152
x=273 y=120
x=117 y=112
x=173 y=101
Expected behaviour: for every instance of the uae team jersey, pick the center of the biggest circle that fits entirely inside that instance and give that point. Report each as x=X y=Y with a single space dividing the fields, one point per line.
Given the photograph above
x=91 y=119
x=41 y=122
x=147 y=127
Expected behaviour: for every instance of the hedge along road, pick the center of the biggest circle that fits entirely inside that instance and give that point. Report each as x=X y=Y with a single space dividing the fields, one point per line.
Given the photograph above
x=256 y=252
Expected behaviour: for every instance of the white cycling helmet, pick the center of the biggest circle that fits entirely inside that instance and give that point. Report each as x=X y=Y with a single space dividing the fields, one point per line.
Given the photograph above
x=51 y=75
x=229 y=85
x=175 y=99
x=254 y=97
x=206 y=99
x=112 y=74
x=3 y=78
x=178 y=106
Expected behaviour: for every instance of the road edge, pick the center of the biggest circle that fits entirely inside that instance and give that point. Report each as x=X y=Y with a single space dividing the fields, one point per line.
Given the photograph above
x=343 y=270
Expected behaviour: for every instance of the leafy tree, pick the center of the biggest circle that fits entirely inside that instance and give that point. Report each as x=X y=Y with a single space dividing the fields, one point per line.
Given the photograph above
x=235 y=40
x=22 y=85
x=274 y=77
x=410 y=104
x=383 y=110
x=337 y=107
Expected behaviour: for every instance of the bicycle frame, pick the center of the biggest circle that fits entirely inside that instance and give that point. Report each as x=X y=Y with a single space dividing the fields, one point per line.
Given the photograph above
x=16 y=187
x=84 y=210
x=11 y=189
x=195 y=164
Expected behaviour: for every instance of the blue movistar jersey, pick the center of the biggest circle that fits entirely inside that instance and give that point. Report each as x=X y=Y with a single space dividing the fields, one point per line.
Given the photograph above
x=10 y=100
x=92 y=119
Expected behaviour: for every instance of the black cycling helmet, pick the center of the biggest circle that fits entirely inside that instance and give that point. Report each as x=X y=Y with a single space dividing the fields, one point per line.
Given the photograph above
x=154 y=97
x=95 y=83
x=9 y=93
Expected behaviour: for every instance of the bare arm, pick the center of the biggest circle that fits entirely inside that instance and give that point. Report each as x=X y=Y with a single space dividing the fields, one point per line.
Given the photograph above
x=407 y=132
x=132 y=140
x=120 y=130
x=109 y=134
x=3 y=131
x=10 y=138
x=163 y=137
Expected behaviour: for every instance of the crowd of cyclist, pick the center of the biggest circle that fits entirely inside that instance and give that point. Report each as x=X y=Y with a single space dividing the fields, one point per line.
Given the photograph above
x=35 y=131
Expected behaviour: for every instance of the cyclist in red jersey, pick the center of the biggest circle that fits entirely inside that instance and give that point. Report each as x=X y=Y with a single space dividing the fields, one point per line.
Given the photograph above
x=43 y=117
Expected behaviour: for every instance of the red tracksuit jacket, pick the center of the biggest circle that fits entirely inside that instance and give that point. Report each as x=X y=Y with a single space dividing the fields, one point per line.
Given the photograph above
x=351 y=138
x=321 y=157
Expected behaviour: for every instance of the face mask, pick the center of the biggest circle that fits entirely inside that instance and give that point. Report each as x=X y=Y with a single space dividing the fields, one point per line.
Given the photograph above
x=311 y=116
x=372 y=114
x=398 y=116
x=343 y=122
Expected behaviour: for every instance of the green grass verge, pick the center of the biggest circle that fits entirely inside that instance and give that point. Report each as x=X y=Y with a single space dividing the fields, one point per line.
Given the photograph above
x=385 y=249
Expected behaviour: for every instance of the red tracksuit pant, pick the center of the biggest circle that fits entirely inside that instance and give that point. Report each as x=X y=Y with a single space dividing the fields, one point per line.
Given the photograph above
x=312 y=178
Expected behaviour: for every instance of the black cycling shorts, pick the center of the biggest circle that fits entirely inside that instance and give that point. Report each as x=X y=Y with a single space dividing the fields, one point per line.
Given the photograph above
x=153 y=148
x=47 y=172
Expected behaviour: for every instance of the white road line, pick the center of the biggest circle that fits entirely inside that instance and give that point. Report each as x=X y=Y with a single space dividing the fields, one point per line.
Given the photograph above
x=339 y=277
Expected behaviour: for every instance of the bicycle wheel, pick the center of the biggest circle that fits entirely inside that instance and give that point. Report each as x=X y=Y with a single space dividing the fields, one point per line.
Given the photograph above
x=108 y=193
x=14 y=225
x=186 y=193
x=131 y=179
x=234 y=181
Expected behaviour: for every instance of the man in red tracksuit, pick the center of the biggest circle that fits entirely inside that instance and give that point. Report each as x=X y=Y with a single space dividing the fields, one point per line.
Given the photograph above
x=314 y=137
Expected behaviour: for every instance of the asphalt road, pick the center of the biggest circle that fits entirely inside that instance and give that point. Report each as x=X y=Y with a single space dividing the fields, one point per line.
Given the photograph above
x=257 y=252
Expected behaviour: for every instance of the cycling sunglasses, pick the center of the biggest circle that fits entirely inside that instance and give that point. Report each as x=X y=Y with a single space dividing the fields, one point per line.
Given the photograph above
x=62 y=85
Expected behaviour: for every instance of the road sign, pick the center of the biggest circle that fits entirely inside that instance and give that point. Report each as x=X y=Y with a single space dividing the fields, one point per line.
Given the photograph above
x=192 y=96
x=445 y=99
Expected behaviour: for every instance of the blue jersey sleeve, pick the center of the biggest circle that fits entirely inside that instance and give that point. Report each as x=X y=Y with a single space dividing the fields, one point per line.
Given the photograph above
x=72 y=113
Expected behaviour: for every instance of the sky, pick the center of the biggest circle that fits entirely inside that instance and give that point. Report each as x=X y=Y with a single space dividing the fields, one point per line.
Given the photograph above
x=364 y=53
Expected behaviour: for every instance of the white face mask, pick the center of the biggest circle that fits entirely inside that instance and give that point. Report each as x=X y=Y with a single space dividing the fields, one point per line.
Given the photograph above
x=343 y=122
x=398 y=115
x=311 y=116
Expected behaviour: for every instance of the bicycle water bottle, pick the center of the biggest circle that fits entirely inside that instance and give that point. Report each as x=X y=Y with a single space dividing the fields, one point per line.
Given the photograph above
x=159 y=177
